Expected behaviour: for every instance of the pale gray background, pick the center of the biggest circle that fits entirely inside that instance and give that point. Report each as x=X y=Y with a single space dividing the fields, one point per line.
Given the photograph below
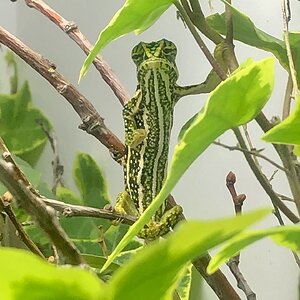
x=270 y=270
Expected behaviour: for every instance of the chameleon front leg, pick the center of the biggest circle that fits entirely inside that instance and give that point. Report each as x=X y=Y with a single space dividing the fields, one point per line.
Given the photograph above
x=211 y=81
x=133 y=135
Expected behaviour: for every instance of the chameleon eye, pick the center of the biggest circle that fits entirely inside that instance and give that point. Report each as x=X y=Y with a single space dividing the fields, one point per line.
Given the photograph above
x=169 y=52
x=137 y=57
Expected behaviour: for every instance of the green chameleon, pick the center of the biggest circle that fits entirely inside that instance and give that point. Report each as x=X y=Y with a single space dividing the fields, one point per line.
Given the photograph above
x=148 y=119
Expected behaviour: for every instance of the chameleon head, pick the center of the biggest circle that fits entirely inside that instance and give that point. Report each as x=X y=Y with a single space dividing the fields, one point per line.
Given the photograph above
x=155 y=55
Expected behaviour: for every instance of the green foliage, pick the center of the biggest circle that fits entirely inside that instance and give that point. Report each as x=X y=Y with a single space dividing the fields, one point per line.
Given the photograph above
x=90 y=181
x=164 y=262
x=36 y=279
x=92 y=186
x=25 y=276
x=18 y=124
x=288 y=131
x=235 y=101
x=288 y=236
x=246 y=32
x=135 y=15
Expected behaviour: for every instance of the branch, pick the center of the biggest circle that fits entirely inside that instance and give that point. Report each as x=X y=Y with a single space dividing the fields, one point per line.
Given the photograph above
x=44 y=216
x=234 y=262
x=217 y=281
x=252 y=152
x=57 y=167
x=200 y=42
x=264 y=182
x=5 y=206
x=70 y=210
x=93 y=123
x=286 y=18
x=71 y=29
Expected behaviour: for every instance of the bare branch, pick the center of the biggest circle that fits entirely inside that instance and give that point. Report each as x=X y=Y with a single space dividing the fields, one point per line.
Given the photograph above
x=57 y=167
x=44 y=216
x=71 y=29
x=93 y=123
x=252 y=152
x=5 y=206
x=234 y=262
x=70 y=210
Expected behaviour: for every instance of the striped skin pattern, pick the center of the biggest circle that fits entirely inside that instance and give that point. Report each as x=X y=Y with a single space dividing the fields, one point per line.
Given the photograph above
x=148 y=119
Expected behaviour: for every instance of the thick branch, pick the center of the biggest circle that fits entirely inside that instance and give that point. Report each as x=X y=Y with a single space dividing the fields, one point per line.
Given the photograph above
x=93 y=123
x=75 y=34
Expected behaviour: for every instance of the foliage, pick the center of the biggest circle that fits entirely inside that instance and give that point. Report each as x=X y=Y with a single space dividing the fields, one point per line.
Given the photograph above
x=165 y=265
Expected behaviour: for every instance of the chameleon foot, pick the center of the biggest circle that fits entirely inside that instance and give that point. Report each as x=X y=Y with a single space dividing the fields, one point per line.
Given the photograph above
x=153 y=230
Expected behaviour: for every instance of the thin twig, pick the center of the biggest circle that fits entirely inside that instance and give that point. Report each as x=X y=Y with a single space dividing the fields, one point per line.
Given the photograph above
x=71 y=29
x=71 y=210
x=265 y=183
x=220 y=72
x=234 y=262
x=286 y=19
x=44 y=216
x=93 y=123
x=57 y=167
x=5 y=206
x=252 y=152
x=217 y=281
x=287 y=98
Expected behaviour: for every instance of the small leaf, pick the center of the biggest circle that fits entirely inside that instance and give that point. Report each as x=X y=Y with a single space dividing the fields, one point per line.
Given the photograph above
x=235 y=101
x=164 y=262
x=19 y=128
x=135 y=15
x=25 y=276
x=90 y=181
x=288 y=131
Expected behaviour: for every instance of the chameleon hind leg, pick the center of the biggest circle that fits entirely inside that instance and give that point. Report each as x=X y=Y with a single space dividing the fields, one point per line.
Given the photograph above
x=133 y=135
x=155 y=229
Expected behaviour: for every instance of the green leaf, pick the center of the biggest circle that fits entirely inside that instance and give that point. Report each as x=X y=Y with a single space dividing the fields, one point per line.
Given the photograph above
x=235 y=101
x=288 y=131
x=245 y=31
x=163 y=263
x=90 y=181
x=288 y=236
x=18 y=125
x=25 y=276
x=135 y=15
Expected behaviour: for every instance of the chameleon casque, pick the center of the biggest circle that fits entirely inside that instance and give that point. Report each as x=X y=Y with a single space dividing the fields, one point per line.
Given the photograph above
x=148 y=119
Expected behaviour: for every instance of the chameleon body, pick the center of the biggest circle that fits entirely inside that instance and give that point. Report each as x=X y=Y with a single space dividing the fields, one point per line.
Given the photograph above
x=148 y=119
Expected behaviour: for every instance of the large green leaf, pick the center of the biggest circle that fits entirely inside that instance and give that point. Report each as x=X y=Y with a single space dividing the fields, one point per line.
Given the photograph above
x=235 y=101
x=25 y=276
x=135 y=15
x=288 y=236
x=163 y=263
x=18 y=125
x=288 y=131
x=245 y=31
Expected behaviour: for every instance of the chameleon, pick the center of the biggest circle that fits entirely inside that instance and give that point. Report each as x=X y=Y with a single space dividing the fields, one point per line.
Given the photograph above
x=148 y=119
